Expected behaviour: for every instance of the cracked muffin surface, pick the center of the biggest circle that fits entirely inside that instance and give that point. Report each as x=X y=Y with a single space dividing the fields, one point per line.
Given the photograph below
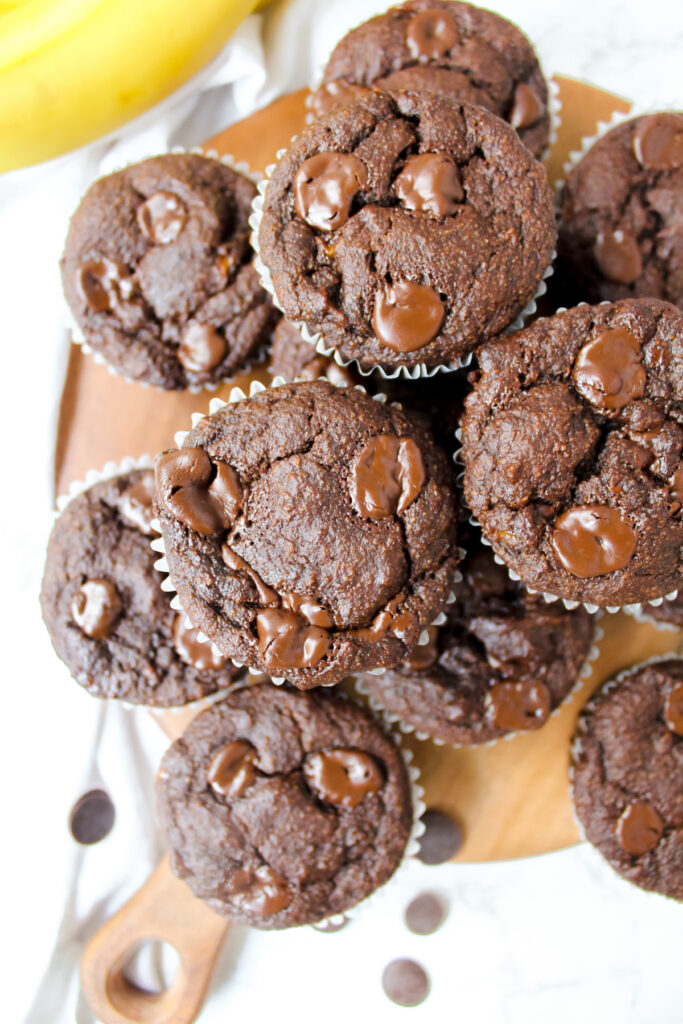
x=102 y=602
x=459 y=51
x=406 y=229
x=627 y=768
x=157 y=270
x=282 y=808
x=503 y=661
x=309 y=530
x=572 y=441
x=621 y=230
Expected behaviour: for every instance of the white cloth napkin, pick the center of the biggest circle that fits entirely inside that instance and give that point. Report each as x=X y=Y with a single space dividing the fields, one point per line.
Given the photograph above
x=557 y=937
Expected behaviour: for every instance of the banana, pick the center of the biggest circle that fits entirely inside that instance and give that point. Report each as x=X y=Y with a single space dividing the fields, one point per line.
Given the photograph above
x=74 y=70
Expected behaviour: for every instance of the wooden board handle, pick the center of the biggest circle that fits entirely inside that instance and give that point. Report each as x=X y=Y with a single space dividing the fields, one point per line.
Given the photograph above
x=164 y=909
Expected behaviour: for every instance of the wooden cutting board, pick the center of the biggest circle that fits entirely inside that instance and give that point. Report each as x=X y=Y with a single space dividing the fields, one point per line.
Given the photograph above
x=512 y=799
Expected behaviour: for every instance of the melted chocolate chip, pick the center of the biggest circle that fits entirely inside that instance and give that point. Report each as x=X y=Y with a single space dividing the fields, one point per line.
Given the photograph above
x=424 y=914
x=639 y=828
x=342 y=777
x=324 y=188
x=386 y=476
x=407 y=316
x=203 y=495
x=334 y=93
x=430 y=182
x=593 y=540
x=266 y=595
x=102 y=284
x=608 y=371
x=264 y=892
x=286 y=640
x=618 y=256
x=202 y=347
x=232 y=771
x=91 y=818
x=658 y=142
x=162 y=217
x=441 y=840
x=315 y=614
x=95 y=607
x=425 y=655
x=137 y=502
x=527 y=108
x=673 y=710
x=431 y=34
x=676 y=485
x=522 y=705
x=194 y=652
x=405 y=982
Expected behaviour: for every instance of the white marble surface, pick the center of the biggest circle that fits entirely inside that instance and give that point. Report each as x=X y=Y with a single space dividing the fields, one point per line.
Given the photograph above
x=557 y=938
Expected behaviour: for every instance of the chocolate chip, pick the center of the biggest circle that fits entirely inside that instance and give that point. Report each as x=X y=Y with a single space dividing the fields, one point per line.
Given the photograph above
x=593 y=540
x=286 y=640
x=201 y=348
x=522 y=705
x=608 y=371
x=430 y=182
x=266 y=595
x=198 y=654
x=425 y=914
x=264 y=892
x=618 y=256
x=162 y=217
x=232 y=771
x=137 y=503
x=95 y=607
x=204 y=495
x=103 y=284
x=527 y=108
x=92 y=817
x=334 y=93
x=342 y=777
x=423 y=656
x=324 y=188
x=441 y=840
x=407 y=316
x=386 y=476
x=431 y=34
x=658 y=142
x=639 y=828
x=405 y=982
x=673 y=710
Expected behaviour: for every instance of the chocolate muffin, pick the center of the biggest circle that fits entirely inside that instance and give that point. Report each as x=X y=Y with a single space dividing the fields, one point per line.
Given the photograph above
x=406 y=229
x=456 y=50
x=109 y=620
x=502 y=662
x=572 y=443
x=293 y=358
x=282 y=808
x=309 y=531
x=158 y=271
x=621 y=233
x=627 y=768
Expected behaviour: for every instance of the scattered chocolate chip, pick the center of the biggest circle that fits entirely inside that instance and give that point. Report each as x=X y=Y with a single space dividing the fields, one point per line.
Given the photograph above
x=593 y=540
x=162 y=217
x=204 y=495
x=95 y=607
x=425 y=914
x=325 y=186
x=441 y=840
x=522 y=705
x=287 y=641
x=431 y=34
x=386 y=476
x=405 y=982
x=608 y=371
x=342 y=777
x=407 y=316
x=232 y=771
x=639 y=828
x=92 y=817
x=430 y=182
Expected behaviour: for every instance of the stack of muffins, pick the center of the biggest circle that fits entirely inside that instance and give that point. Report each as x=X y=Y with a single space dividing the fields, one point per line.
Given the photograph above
x=316 y=530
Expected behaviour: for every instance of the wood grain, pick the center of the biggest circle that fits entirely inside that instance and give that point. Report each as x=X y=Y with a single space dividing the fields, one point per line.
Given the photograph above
x=512 y=798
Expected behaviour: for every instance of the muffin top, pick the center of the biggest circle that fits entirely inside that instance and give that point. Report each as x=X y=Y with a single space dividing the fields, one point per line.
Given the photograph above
x=572 y=443
x=627 y=765
x=502 y=662
x=309 y=530
x=406 y=229
x=621 y=232
x=157 y=270
x=109 y=619
x=461 y=52
x=282 y=808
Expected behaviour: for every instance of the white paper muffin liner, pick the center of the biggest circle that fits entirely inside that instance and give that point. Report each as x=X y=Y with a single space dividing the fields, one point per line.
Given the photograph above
x=609 y=686
x=158 y=546
x=641 y=615
x=256 y=358
x=317 y=339
x=94 y=476
x=394 y=720
x=631 y=609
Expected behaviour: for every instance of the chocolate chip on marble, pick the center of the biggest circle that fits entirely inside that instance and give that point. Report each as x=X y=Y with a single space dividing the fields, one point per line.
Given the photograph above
x=425 y=914
x=91 y=818
x=405 y=982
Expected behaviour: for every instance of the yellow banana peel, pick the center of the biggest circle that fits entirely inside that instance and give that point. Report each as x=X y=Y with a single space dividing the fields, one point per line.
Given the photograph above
x=74 y=70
